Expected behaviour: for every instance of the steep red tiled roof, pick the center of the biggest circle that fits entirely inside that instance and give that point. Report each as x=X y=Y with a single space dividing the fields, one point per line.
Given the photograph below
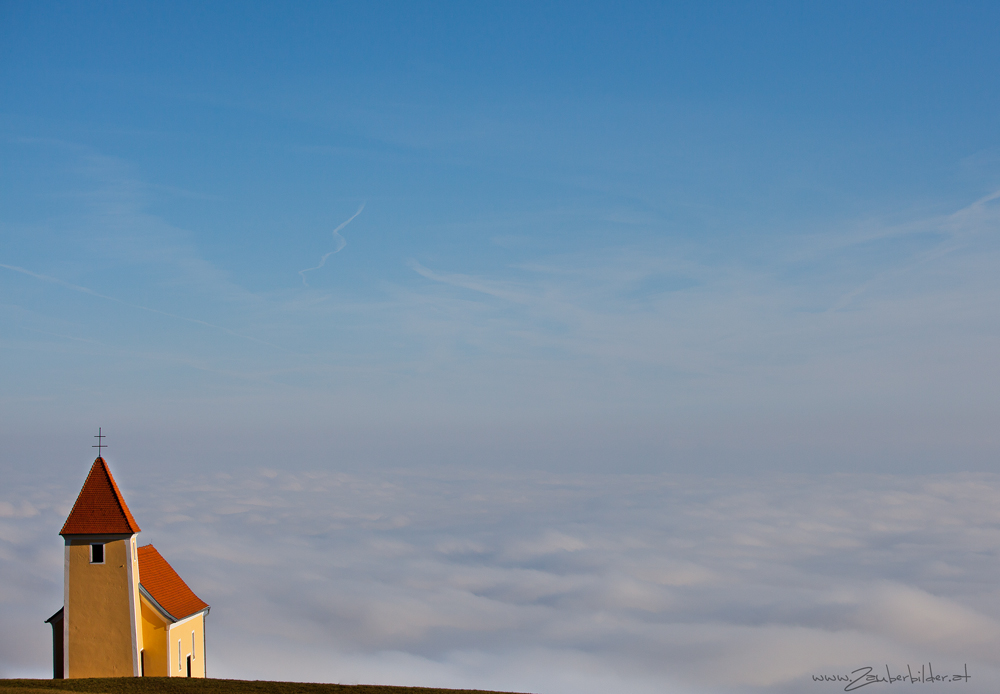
x=100 y=508
x=166 y=587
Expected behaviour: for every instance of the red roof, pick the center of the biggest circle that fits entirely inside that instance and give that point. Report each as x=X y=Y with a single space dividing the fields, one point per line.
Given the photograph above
x=166 y=587
x=100 y=508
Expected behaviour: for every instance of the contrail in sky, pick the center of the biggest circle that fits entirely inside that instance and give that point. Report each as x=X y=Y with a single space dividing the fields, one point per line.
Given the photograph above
x=84 y=290
x=341 y=242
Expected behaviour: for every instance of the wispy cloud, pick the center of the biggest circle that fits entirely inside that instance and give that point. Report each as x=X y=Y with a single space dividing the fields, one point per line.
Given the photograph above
x=955 y=232
x=340 y=243
x=808 y=344
x=499 y=290
x=90 y=292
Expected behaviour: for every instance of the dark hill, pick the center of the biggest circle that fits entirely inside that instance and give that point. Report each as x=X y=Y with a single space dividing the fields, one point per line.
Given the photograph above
x=180 y=685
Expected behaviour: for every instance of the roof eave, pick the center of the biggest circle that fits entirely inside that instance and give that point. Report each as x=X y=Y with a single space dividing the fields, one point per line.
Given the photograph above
x=159 y=608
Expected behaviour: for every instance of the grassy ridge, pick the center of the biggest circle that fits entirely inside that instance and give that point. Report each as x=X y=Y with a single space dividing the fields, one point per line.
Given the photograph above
x=182 y=685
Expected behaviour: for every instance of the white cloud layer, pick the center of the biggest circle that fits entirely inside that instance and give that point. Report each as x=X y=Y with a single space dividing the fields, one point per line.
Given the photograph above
x=551 y=583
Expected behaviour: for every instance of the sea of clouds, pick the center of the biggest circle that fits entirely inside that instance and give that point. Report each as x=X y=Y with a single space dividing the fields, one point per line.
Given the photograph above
x=554 y=583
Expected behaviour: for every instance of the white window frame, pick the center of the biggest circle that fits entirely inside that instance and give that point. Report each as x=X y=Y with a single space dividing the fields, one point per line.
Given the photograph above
x=103 y=552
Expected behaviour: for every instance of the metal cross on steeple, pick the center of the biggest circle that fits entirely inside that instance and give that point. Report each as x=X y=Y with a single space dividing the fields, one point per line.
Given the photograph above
x=100 y=442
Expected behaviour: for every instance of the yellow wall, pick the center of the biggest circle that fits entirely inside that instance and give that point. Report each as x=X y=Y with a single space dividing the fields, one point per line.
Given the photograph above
x=181 y=631
x=160 y=638
x=154 y=639
x=98 y=606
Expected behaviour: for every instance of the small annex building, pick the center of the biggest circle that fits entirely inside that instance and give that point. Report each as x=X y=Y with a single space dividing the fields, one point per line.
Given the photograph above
x=126 y=612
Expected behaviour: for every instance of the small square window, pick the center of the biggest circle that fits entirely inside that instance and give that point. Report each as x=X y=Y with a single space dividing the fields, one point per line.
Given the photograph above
x=97 y=554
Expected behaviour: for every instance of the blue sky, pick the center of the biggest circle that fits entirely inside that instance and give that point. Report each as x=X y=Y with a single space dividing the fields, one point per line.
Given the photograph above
x=557 y=347
x=705 y=236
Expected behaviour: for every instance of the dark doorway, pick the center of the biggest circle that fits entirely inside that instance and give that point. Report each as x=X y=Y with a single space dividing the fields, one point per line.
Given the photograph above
x=189 y=666
x=56 y=621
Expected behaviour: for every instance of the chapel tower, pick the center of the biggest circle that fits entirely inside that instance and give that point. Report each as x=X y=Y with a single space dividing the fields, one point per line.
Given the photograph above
x=101 y=617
